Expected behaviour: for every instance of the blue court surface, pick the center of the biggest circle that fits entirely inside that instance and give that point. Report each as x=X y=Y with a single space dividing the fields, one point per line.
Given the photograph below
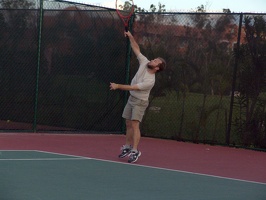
x=38 y=175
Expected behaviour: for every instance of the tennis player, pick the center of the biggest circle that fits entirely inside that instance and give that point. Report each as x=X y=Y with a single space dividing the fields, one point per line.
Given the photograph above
x=138 y=101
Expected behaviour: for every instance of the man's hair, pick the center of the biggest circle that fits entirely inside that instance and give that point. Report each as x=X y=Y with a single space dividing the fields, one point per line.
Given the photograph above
x=162 y=66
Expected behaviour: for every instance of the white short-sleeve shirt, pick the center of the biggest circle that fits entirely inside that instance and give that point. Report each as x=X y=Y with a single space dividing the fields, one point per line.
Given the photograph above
x=143 y=79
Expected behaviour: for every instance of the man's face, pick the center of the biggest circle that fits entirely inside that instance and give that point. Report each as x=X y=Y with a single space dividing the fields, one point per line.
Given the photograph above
x=154 y=63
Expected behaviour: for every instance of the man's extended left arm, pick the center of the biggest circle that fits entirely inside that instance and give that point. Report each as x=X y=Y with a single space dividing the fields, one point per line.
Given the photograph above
x=115 y=86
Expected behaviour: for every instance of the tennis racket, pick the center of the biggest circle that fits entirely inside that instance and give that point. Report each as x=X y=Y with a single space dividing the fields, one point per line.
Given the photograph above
x=124 y=9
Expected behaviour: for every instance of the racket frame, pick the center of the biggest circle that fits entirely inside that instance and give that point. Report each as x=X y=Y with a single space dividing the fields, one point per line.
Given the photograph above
x=125 y=18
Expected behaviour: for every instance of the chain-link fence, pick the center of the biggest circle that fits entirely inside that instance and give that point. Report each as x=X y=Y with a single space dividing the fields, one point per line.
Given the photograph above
x=213 y=89
x=58 y=58
x=56 y=67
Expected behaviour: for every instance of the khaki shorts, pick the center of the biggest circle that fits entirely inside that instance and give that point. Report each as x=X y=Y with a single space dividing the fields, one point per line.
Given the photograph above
x=135 y=109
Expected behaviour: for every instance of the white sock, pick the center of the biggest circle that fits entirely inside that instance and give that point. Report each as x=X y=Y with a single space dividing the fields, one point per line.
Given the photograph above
x=134 y=150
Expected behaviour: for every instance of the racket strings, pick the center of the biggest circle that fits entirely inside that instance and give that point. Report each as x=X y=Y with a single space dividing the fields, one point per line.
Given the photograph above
x=125 y=8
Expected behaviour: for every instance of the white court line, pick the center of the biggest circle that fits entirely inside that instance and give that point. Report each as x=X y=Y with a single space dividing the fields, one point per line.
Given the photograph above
x=137 y=165
x=160 y=168
x=15 y=150
x=71 y=157
x=38 y=159
x=186 y=172
x=62 y=154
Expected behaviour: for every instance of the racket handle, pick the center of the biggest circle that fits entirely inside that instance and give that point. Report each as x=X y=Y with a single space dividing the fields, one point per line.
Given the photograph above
x=126 y=28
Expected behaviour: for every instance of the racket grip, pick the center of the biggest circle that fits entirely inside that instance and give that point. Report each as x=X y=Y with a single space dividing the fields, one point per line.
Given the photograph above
x=126 y=28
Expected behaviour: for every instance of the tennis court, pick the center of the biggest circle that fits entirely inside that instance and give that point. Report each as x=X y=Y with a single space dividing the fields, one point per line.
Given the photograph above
x=69 y=166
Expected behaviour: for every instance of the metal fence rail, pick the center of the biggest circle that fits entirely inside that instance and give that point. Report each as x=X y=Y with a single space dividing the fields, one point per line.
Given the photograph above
x=57 y=59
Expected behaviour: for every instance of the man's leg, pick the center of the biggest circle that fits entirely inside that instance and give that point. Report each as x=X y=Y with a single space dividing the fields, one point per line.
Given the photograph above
x=129 y=132
x=126 y=149
x=135 y=154
x=136 y=134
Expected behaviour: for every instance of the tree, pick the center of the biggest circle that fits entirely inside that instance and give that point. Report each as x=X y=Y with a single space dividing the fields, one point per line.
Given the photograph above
x=19 y=59
x=161 y=8
x=251 y=103
x=153 y=8
x=199 y=60
x=22 y=4
x=226 y=10
x=18 y=23
x=18 y=19
x=209 y=62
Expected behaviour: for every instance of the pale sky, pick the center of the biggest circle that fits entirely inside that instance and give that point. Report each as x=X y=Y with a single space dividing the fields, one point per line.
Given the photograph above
x=257 y=6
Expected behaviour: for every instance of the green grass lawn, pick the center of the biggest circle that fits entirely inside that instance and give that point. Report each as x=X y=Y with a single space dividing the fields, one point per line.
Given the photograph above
x=166 y=122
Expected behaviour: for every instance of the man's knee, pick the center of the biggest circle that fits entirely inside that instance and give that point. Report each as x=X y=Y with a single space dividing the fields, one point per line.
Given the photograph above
x=135 y=124
x=128 y=124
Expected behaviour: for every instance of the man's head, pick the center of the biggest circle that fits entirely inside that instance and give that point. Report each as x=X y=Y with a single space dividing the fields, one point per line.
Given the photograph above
x=158 y=63
x=162 y=65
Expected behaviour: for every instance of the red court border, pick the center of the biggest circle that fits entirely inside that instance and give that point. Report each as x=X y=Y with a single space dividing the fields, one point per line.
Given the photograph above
x=243 y=164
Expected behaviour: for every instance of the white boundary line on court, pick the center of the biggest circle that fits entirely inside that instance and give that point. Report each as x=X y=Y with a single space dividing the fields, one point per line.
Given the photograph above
x=62 y=154
x=187 y=172
x=137 y=165
x=71 y=157
x=38 y=159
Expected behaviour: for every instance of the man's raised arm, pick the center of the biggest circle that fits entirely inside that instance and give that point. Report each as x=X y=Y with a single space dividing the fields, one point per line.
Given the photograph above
x=133 y=43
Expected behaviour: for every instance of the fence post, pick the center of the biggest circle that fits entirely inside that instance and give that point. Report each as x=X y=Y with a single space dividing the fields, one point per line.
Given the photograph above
x=128 y=55
x=38 y=66
x=228 y=131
